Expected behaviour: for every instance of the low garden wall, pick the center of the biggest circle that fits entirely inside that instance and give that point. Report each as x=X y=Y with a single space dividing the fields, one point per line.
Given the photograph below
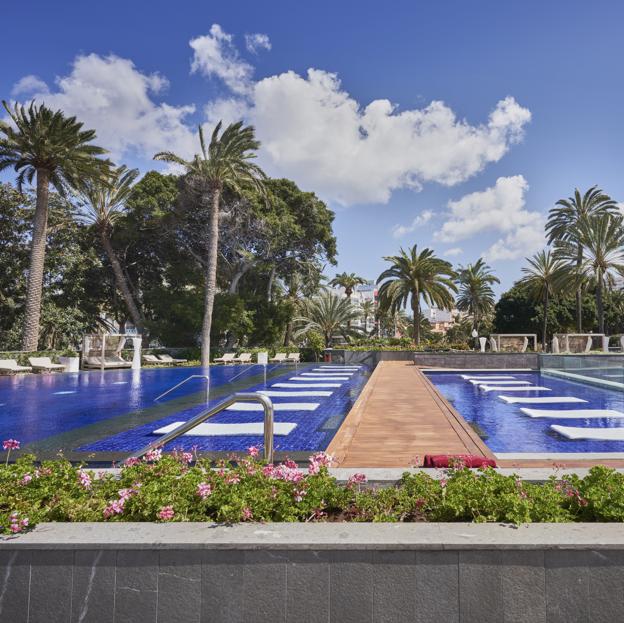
x=463 y=360
x=316 y=572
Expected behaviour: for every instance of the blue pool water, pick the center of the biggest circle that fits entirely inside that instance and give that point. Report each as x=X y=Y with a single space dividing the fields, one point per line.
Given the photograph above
x=114 y=411
x=507 y=429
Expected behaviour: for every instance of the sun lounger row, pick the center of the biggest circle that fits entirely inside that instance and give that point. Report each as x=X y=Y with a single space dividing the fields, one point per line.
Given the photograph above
x=38 y=364
x=160 y=359
x=246 y=358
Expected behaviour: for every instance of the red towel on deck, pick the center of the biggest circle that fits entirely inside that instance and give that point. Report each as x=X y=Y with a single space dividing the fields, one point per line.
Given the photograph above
x=455 y=460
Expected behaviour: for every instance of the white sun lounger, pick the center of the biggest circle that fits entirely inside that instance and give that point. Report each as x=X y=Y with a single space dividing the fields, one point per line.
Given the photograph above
x=217 y=430
x=328 y=373
x=278 y=394
x=541 y=399
x=243 y=358
x=152 y=359
x=501 y=382
x=572 y=414
x=487 y=378
x=166 y=358
x=318 y=378
x=10 y=365
x=277 y=406
x=227 y=358
x=515 y=388
x=306 y=385
x=44 y=363
x=578 y=432
x=279 y=358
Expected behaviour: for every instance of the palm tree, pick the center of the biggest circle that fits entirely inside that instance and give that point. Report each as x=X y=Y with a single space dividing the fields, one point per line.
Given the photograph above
x=602 y=239
x=564 y=223
x=475 y=290
x=225 y=163
x=415 y=275
x=45 y=145
x=545 y=277
x=348 y=281
x=103 y=204
x=367 y=310
x=327 y=314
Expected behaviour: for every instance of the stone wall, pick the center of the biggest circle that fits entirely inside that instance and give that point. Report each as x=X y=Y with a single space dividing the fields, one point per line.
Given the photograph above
x=286 y=573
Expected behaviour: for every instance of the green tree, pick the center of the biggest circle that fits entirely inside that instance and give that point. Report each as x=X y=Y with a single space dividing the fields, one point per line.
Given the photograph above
x=54 y=149
x=476 y=295
x=544 y=278
x=103 y=204
x=413 y=275
x=367 y=310
x=602 y=240
x=227 y=161
x=564 y=225
x=327 y=314
x=348 y=281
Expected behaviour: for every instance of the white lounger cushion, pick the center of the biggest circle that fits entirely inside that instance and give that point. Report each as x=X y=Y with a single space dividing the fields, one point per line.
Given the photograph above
x=541 y=399
x=487 y=378
x=577 y=432
x=500 y=382
x=498 y=388
x=278 y=394
x=572 y=414
x=306 y=385
x=327 y=373
x=318 y=378
x=278 y=406
x=216 y=430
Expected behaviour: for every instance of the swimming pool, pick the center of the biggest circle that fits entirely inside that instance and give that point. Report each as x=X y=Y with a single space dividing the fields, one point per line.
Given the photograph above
x=498 y=418
x=103 y=415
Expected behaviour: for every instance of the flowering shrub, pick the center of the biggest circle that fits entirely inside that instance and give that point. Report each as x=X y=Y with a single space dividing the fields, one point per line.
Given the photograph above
x=171 y=487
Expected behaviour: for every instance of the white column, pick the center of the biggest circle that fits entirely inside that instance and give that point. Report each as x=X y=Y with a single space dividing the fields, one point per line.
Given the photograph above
x=136 y=357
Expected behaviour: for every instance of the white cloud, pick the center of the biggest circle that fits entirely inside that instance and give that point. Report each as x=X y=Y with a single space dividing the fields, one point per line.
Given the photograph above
x=399 y=231
x=227 y=110
x=452 y=252
x=28 y=85
x=500 y=208
x=214 y=55
x=110 y=95
x=316 y=133
x=257 y=41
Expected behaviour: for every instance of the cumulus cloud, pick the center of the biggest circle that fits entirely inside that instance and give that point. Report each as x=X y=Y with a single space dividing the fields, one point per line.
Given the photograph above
x=315 y=132
x=228 y=110
x=28 y=85
x=398 y=231
x=110 y=95
x=214 y=55
x=500 y=208
x=453 y=251
x=257 y=41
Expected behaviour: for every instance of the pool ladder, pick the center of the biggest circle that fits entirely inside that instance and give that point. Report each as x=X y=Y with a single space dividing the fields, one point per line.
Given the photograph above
x=188 y=378
x=267 y=406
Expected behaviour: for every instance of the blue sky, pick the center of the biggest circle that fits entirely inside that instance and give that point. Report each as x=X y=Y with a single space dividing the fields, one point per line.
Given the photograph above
x=450 y=124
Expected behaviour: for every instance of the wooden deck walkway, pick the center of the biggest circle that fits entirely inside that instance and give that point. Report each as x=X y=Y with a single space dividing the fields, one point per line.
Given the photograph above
x=398 y=418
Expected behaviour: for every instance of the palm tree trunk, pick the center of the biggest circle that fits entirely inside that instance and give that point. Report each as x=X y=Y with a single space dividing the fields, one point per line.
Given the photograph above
x=122 y=283
x=270 y=284
x=545 y=323
x=579 y=292
x=212 y=246
x=416 y=312
x=30 y=336
x=600 y=305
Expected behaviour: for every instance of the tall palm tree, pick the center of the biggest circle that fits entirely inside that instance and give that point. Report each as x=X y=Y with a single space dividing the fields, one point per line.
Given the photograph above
x=475 y=290
x=602 y=239
x=367 y=310
x=545 y=277
x=227 y=161
x=564 y=223
x=46 y=146
x=348 y=281
x=327 y=314
x=417 y=275
x=103 y=204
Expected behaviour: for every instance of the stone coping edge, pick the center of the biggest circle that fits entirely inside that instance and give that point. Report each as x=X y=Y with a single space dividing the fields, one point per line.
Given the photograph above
x=319 y=536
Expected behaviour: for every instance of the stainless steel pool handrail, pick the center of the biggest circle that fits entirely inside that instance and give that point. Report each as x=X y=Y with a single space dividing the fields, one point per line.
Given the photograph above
x=188 y=378
x=265 y=401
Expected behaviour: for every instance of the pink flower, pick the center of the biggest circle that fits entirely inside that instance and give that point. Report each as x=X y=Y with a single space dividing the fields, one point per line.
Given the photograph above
x=318 y=460
x=290 y=464
x=114 y=508
x=443 y=482
x=253 y=451
x=125 y=494
x=131 y=461
x=247 y=514
x=299 y=494
x=268 y=470
x=26 y=479
x=232 y=479
x=204 y=489
x=187 y=457
x=356 y=479
x=17 y=524
x=166 y=513
x=154 y=455
x=85 y=480
x=11 y=444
